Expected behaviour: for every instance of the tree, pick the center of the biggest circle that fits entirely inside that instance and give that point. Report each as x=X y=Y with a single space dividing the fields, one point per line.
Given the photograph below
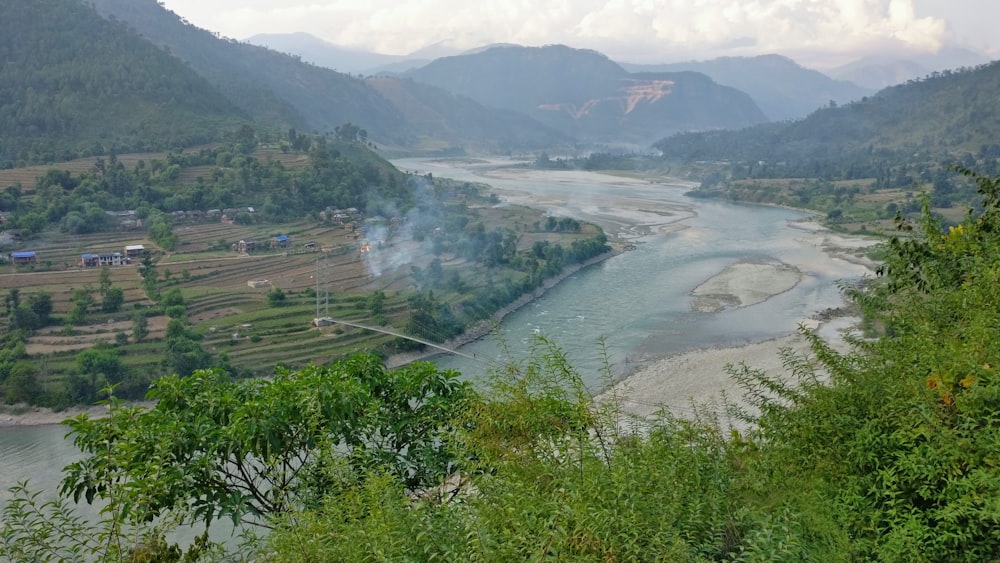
x=41 y=305
x=113 y=300
x=83 y=300
x=140 y=327
x=255 y=448
x=101 y=364
x=276 y=297
x=22 y=384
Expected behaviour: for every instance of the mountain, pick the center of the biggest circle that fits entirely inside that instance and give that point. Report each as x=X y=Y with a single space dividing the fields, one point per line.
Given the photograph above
x=880 y=71
x=283 y=91
x=945 y=113
x=276 y=89
x=458 y=121
x=314 y=50
x=584 y=94
x=74 y=84
x=781 y=87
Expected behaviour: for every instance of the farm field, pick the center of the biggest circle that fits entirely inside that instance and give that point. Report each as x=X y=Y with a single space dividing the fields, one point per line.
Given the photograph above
x=214 y=283
x=326 y=269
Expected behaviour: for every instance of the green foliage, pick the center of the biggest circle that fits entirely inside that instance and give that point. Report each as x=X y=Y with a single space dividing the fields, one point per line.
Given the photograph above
x=140 y=327
x=34 y=529
x=113 y=300
x=255 y=448
x=900 y=445
x=83 y=300
x=276 y=297
x=552 y=476
x=885 y=453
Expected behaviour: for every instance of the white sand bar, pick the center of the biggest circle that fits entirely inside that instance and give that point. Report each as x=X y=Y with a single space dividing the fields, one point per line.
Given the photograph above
x=744 y=284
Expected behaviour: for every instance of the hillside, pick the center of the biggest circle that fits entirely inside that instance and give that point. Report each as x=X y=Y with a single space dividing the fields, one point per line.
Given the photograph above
x=781 y=87
x=278 y=90
x=585 y=94
x=74 y=84
x=282 y=90
x=945 y=113
x=454 y=121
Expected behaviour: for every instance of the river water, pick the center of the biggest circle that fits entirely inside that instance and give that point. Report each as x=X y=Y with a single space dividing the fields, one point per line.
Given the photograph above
x=637 y=301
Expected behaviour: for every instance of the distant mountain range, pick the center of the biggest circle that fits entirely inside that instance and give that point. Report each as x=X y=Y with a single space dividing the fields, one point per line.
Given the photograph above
x=939 y=116
x=282 y=91
x=312 y=49
x=879 y=72
x=585 y=94
x=781 y=87
x=73 y=83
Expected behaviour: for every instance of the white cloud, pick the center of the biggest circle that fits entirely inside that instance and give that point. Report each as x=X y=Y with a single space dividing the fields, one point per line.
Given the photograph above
x=648 y=30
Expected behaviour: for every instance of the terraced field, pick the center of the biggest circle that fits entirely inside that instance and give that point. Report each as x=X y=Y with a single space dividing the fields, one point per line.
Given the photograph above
x=324 y=271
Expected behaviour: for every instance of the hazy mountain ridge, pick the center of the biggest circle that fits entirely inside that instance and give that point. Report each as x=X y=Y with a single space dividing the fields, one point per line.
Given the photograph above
x=584 y=93
x=289 y=92
x=781 y=87
x=316 y=51
x=947 y=112
x=882 y=71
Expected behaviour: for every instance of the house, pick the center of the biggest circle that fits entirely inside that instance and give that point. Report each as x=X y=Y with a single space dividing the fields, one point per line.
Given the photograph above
x=280 y=241
x=111 y=259
x=23 y=258
x=134 y=251
x=102 y=259
x=89 y=261
x=246 y=246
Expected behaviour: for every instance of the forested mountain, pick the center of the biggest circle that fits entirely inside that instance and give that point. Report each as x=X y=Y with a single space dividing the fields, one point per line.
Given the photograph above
x=781 y=87
x=585 y=94
x=945 y=113
x=457 y=120
x=276 y=89
x=282 y=90
x=72 y=83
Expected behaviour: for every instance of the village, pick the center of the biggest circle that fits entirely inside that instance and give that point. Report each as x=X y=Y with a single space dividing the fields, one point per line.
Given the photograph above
x=351 y=219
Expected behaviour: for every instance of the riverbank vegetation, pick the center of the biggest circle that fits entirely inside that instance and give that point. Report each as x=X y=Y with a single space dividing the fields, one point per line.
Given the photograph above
x=885 y=453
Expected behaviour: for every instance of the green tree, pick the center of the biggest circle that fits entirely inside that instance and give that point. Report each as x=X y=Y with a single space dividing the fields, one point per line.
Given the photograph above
x=113 y=300
x=41 y=305
x=102 y=365
x=254 y=448
x=83 y=300
x=22 y=384
x=140 y=327
x=104 y=281
x=276 y=297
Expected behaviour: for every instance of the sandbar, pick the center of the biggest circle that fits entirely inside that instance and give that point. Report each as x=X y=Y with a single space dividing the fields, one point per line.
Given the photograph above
x=743 y=284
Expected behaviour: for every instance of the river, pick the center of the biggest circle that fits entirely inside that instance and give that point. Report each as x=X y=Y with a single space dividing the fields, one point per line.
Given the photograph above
x=637 y=301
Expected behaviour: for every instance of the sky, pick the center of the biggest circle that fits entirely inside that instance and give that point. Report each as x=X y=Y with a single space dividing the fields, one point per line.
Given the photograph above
x=820 y=32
